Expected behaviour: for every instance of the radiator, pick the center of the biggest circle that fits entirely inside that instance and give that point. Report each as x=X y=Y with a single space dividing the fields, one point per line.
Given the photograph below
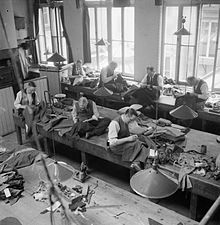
x=6 y=107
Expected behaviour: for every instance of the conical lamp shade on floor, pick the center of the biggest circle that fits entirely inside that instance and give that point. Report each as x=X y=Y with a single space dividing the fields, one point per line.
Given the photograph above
x=151 y=183
x=103 y=92
x=184 y=112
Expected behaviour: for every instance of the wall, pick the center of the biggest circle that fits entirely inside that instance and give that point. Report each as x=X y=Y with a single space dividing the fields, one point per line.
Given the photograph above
x=21 y=10
x=73 y=22
x=6 y=10
x=147 y=36
x=147 y=33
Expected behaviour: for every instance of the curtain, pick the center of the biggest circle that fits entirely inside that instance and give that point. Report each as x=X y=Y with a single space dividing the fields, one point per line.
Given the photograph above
x=86 y=35
x=70 y=55
x=36 y=26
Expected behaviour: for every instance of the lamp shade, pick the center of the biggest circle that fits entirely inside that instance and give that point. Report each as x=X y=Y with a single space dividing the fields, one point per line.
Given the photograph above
x=102 y=42
x=151 y=183
x=184 y=112
x=56 y=57
x=103 y=92
x=182 y=31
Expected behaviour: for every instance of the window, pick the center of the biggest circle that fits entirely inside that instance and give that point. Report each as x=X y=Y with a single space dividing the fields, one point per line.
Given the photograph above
x=51 y=37
x=197 y=54
x=116 y=25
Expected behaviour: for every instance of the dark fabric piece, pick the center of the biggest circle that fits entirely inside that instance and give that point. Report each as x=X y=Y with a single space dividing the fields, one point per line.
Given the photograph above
x=124 y=130
x=153 y=81
x=94 y=127
x=70 y=52
x=131 y=151
x=197 y=90
x=186 y=99
x=19 y=159
x=146 y=96
x=86 y=35
x=53 y=122
x=84 y=114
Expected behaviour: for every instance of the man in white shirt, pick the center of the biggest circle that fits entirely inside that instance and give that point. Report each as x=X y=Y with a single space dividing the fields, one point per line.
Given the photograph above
x=122 y=143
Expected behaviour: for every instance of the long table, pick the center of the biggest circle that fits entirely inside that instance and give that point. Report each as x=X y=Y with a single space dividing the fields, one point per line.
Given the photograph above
x=96 y=146
x=165 y=103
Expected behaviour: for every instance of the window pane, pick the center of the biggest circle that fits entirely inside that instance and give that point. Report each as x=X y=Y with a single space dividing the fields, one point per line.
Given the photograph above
x=102 y=23
x=171 y=24
x=129 y=23
x=116 y=24
x=186 y=62
x=217 y=70
x=129 y=57
x=169 y=61
x=207 y=43
x=103 y=56
x=117 y=54
x=191 y=21
x=92 y=22
x=93 y=53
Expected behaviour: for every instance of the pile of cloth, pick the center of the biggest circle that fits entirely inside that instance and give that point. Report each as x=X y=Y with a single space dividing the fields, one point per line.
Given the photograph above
x=11 y=182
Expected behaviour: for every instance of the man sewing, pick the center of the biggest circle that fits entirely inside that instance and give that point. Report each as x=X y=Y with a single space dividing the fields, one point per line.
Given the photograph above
x=108 y=75
x=200 y=91
x=86 y=113
x=152 y=79
x=149 y=91
x=122 y=143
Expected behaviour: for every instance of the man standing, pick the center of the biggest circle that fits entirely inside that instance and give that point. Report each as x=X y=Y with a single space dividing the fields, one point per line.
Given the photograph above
x=86 y=113
x=200 y=91
x=122 y=143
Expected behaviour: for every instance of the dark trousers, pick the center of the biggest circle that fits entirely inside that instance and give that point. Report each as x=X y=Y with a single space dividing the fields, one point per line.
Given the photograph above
x=94 y=127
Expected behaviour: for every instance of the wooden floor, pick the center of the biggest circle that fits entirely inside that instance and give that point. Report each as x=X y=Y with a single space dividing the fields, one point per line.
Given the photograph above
x=132 y=208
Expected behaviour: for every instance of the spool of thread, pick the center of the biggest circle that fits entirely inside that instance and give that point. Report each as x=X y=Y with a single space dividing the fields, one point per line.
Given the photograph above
x=203 y=149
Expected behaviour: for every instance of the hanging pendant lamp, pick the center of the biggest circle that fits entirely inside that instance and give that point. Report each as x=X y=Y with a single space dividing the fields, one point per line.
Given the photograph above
x=184 y=112
x=56 y=57
x=102 y=42
x=182 y=30
x=152 y=183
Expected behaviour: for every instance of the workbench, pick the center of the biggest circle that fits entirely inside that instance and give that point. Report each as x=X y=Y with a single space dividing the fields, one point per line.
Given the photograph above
x=116 y=101
x=96 y=146
x=109 y=205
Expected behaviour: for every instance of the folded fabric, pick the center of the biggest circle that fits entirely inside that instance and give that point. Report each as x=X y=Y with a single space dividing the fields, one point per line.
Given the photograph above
x=65 y=123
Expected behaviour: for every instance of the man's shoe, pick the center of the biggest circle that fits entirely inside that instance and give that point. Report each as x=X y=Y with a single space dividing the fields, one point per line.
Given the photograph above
x=136 y=166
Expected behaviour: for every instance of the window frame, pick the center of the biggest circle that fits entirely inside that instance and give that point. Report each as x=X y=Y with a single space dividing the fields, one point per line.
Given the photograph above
x=59 y=36
x=108 y=5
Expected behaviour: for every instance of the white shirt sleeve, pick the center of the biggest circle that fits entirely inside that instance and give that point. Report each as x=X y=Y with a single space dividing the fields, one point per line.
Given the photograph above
x=144 y=80
x=113 y=130
x=160 y=81
x=205 y=91
x=95 y=111
x=74 y=114
x=17 y=102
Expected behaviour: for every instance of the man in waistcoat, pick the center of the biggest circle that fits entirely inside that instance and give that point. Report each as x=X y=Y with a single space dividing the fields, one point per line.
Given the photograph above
x=122 y=143
x=200 y=91
x=150 y=88
x=108 y=75
x=86 y=113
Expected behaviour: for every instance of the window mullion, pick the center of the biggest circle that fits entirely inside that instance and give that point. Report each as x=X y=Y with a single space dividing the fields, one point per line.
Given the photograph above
x=45 y=42
x=51 y=30
x=209 y=39
x=198 y=33
x=38 y=39
x=109 y=32
x=60 y=36
x=96 y=36
x=178 y=47
x=216 y=51
x=122 y=40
